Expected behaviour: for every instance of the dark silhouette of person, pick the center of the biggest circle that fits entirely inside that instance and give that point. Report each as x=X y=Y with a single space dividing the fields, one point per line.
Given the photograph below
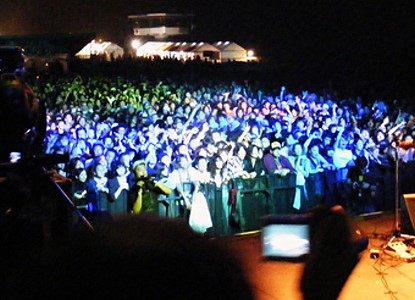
x=22 y=114
x=334 y=252
x=139 y=257
x=362 y=187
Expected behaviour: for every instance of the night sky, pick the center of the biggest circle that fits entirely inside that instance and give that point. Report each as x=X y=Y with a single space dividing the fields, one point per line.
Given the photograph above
x=354 y=37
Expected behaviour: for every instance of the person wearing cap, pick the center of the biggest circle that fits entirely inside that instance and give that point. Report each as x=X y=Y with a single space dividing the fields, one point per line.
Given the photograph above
x=275 y=162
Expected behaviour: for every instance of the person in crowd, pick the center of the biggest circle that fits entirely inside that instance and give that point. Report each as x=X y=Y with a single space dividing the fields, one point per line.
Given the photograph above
x=108 y=143
x=218 y=194
x=235 y=164
x=83 y=147
x=201 y=164
x=98 y=193
x=342 y=160
x=97 y=150
x=167 y=205
x=74 y=164
x=316 y=184
x=239 y=176
x=145 y=191
x=253 y=163
x=359 y=149
x=125 y=159
x=91 y=136
x=119 y=189
x=301 y=165
x=361 y=187
x=79 y=188
x=342 y=156
x=218 y=171
x=151 y=159
x=80 y=133
x=368 y=141
x=275 y=163
x=111 y=158
x=288 y=140
x=186 y=180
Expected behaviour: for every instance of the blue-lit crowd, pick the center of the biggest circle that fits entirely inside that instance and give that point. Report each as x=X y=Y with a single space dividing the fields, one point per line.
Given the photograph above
x=339 y=150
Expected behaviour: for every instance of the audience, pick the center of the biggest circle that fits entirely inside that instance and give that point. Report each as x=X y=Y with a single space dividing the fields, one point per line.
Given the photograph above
x=242 y=132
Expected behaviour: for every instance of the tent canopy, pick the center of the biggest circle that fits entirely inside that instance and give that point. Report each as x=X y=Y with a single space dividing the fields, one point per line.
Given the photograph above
x=231 y=51
x=180 y=50
x=107 y=49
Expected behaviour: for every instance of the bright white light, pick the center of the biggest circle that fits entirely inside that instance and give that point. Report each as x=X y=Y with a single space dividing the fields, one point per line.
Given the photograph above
x=135 y=44
x=250 y=53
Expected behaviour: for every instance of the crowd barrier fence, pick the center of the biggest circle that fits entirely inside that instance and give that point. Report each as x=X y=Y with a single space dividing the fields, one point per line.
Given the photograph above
x=240 y=205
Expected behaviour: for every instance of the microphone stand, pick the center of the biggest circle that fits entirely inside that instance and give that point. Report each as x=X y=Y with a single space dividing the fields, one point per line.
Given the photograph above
x=398 y=224
x=396 y=245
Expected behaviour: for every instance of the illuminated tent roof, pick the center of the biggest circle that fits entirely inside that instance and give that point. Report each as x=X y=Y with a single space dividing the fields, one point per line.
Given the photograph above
x=106 y=49
x=231 y=51
x=180 y=50
x=154 y=48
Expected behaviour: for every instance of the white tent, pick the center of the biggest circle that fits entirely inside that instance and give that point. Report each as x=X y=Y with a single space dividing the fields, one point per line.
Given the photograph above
x=206 y=52
x=107 y=50
x=216 y=52
x=150 y=49
x=231 y=51
x=179 y=50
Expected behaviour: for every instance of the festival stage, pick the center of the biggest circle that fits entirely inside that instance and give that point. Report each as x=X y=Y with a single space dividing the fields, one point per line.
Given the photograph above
x=383 y=278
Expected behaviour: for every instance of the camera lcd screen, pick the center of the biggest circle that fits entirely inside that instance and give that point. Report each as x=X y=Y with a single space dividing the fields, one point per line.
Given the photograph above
x=286 y=239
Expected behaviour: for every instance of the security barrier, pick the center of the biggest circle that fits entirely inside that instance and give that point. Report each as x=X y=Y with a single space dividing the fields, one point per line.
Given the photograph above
x=240 y=205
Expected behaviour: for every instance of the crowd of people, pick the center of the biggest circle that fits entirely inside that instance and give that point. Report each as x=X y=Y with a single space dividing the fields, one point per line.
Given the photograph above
x=135 y=144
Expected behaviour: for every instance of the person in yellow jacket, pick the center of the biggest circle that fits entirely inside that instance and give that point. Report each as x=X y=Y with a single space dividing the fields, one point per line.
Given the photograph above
x=146 y=190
